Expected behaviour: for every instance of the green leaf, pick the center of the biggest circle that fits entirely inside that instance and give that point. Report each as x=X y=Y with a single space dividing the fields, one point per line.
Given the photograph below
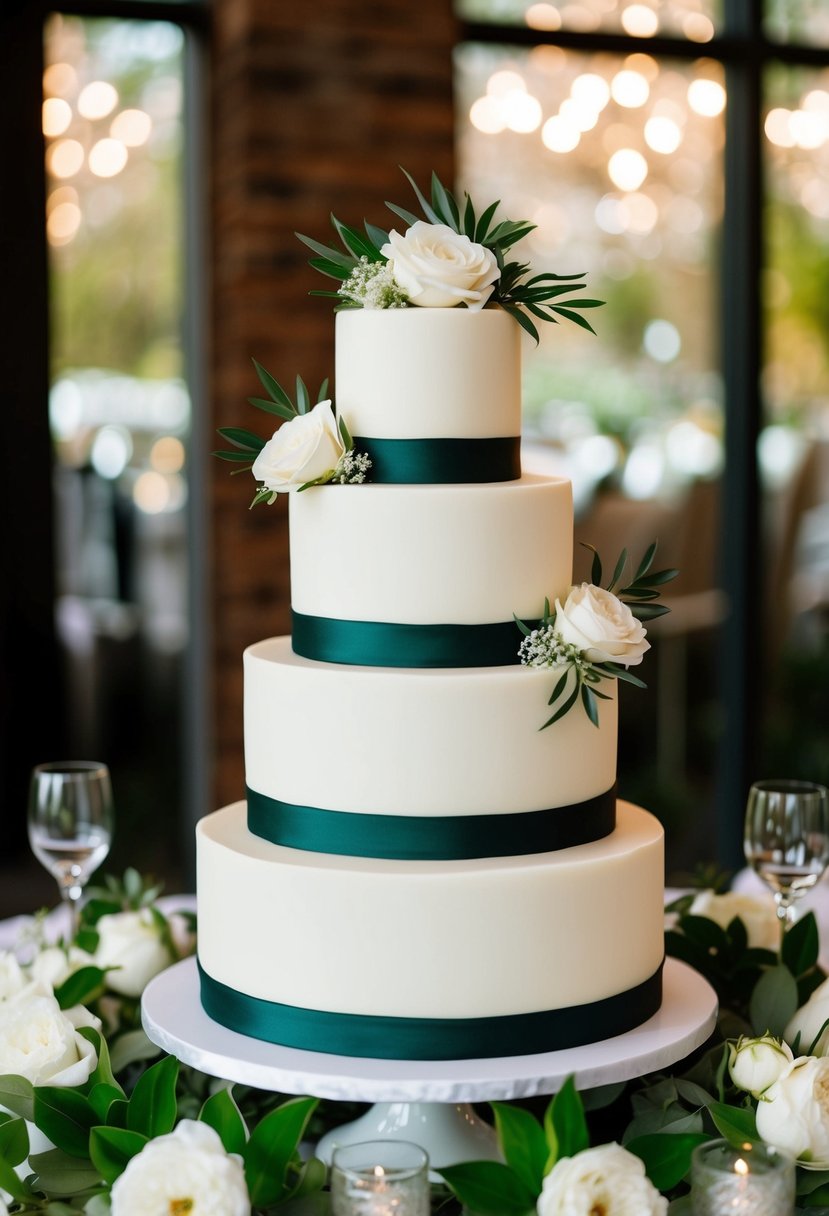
x=736 y=1124
x=617 y=672
x=596 y=566
x=18 y=1095
x=303 y=400
x=130 y=1048
x=273 y=407
x=575 y=317
x=408 y=216
x=14 y=1141
x=773 y=1002
x=111 y=1150
x=706 y=933
x=617 y=573
x=667 y=1157
x=84 y=985
x=241 y=438
x=236 y=457
x=272 y=1146
x=649 y=612
x=379 y=236
x=444 y=204
x=328 y=253
x=59 y=1174
x=489 y=1188
x=482 y=227
x=355 y=241
x=522 y=1142
x=523 y=320
x=469 y=219
x=322 y=392
x=563 y=709
x=332 y=269
x=66 y=1117
x=152 y=1108
x=348 y=442
x=103 y=1073
x=801 y=945
x=222 y=1114
x=271 y=386
x=565 y=1124
x=646 y=562
x=428 y=210
x=524 y=628
x=559 y=688
x=588 y=700
x=102 y=1097
x=311 y=1178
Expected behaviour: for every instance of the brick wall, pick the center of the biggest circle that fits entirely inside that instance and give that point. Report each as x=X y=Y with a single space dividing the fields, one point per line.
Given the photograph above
x=314 y=107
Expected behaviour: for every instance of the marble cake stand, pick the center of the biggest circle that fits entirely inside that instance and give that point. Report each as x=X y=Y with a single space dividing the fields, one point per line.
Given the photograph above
x=423 y=1100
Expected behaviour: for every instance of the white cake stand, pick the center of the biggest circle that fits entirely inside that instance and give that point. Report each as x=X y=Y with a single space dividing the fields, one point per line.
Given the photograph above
x=423 y=1100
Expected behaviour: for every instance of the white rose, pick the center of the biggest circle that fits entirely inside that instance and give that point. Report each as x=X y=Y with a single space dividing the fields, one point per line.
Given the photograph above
x=794 y=1114
x=39 y=1040
x=809 y=1022
x=54 y=964
x=303 y=449
x=757 y=912
x=130 y=941
x=602 y=626
x=12 y=979
x=185 y=1171
x=439 y=268
x=607 y=1179
x=755 y=1064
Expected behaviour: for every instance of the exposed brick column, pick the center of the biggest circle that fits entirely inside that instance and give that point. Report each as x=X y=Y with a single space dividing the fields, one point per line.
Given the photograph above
x=314 y=106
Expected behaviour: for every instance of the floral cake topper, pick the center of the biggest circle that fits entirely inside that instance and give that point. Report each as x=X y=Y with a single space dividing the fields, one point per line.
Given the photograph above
x=447 y=258
x=595 y=634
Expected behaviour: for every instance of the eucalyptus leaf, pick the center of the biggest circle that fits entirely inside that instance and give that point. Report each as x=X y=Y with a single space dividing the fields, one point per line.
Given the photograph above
x=774 y=1001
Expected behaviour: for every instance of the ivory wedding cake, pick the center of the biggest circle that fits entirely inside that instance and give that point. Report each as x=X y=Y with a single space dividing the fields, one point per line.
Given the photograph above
x=419 y=871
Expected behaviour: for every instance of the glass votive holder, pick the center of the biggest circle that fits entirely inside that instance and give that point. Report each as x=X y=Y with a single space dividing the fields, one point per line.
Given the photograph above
x=380 y=1178
x=747 y=1180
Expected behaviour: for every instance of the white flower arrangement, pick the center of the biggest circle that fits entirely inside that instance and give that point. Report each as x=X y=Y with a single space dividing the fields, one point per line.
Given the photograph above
x=312 y=447
x=595 y=635
x=606 y=1179
x=188 y=1170
x=448 y=257
x=755 y=1064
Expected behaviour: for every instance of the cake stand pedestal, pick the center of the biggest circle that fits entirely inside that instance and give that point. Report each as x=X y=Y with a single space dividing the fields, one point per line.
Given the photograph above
x=423 y=1100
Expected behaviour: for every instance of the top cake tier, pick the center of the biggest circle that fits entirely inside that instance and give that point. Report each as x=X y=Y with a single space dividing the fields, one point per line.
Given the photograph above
x=433 y=395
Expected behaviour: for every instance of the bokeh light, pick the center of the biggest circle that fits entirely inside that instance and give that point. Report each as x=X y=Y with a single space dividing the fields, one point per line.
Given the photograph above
x=97 y=99
x=131 y=127
x=627 y=169
x=64 y=158
x=706 y=97
x=107 y=157
x=57 y=115
x=639 y=21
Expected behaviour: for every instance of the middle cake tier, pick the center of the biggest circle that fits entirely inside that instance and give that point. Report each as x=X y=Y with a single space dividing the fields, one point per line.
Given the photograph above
x=426 y=576
x=420 y=763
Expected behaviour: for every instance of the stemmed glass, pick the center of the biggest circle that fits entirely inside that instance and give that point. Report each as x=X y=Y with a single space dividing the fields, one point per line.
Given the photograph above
x=787 y=838
x=71 y=823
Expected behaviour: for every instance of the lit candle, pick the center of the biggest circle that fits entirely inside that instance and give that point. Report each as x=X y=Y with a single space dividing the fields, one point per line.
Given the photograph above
x=380 y=1178
x=749 y=1180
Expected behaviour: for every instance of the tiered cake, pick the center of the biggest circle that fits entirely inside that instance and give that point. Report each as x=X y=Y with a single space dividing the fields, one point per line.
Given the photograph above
x=419 y=871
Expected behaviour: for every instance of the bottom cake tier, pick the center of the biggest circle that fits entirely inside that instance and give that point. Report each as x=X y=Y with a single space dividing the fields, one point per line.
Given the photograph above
x=430 y=960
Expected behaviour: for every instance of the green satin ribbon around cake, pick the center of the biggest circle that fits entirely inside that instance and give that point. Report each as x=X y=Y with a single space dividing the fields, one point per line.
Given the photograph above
x=442 y=461
x=391 y=644
x=399 y=1038
x=430 y=837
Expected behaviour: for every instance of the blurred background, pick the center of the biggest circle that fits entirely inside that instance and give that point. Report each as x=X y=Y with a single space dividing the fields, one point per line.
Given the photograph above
x=163 y=155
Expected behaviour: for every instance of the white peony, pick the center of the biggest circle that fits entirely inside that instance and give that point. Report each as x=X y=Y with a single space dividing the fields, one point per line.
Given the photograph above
x=809 y=1022
x=793 y=1115
x=755 y=1064
x=303 y=449
x=757 y=912
x=39 y=1040
x=130 y=942
x=186 y=1171
x=440 y=268
x=607 y=1179
x=601 y=626
x=53 y=964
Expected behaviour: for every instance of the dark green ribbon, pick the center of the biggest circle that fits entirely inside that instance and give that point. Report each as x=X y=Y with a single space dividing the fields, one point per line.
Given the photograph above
x=430 y=837
x=392 y=644
x=435 y=461
x=393 y=1038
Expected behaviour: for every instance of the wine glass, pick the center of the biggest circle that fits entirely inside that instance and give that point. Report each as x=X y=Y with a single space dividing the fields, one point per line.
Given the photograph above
x=787 y=838
x=71 y=823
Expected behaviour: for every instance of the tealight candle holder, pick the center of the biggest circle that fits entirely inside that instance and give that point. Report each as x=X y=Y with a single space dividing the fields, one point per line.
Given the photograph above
x=746 y=1180
x=380 y=1178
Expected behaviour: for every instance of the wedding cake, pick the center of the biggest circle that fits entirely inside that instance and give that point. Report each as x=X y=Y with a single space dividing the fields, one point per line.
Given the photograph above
x=418 y=870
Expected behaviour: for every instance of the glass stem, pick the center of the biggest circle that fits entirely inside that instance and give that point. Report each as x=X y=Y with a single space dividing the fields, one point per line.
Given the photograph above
x=71 y=892
x=785 y=908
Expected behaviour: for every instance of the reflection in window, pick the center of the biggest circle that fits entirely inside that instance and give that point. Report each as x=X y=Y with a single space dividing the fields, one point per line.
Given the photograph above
x=696 y=20
x=119 y=407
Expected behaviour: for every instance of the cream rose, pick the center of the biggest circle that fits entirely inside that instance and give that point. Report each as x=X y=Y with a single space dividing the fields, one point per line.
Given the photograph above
x=54 y=964
x=809 y=1021
x=601 y=626
x=12 y=979
x=303 y=449
x=185 y=1171
x=757 y=913
x=39 y=1041
x=755 y=1064
x=440 y=268
x=793 y=1115
x=607 y=1179
x=131 y=943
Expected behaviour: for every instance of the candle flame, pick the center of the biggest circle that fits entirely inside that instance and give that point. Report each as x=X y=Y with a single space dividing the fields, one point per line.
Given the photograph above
x=378 y=1171
x=740 y=1166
